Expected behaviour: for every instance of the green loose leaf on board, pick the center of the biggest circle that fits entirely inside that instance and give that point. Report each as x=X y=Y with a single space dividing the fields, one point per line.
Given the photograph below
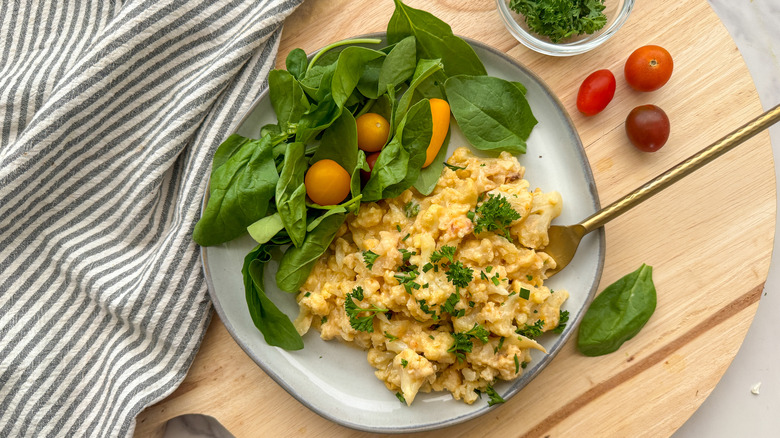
x=275 y=325
x=492 y=113
x=297 y=262
x=434 y=39
x=618 y=313
x=291 y=192
x=240 y=192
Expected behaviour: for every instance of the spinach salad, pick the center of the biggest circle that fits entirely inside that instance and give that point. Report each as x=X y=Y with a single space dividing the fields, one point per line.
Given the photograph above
x=257 y=185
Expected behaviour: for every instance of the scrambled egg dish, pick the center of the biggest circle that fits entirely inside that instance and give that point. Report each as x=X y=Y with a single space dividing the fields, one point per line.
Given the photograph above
x=444 y=291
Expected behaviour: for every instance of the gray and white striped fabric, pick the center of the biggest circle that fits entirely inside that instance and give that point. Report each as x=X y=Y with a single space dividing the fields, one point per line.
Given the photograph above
x=110 y=112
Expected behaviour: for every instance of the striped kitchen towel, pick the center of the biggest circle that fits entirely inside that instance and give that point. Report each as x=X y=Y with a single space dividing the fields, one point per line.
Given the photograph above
x=110 y=112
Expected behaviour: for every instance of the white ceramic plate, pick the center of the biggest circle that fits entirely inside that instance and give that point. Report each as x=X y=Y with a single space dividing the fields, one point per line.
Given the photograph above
x=335 y=380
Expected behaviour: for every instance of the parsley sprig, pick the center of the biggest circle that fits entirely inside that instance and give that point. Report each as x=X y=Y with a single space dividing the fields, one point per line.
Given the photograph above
x=459 y=274
x=369 y=257
x=463 y=341
x=562 y=320
x=495 y=398
x=531 y=331
x=360 y=323
x=495 y=214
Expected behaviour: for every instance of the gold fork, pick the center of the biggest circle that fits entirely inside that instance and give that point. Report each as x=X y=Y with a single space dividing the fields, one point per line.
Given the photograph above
x=564 y=240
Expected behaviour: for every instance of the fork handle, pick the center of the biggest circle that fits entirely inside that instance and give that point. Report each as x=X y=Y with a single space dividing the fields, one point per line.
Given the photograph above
x=682 y=169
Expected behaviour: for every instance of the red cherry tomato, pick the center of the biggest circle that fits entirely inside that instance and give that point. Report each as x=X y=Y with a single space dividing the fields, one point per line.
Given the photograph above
x=371 y=159
x=648 y=68
x=647 y=127
x=596 y=92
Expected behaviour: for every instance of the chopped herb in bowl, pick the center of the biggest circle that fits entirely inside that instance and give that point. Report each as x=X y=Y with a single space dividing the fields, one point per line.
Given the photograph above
x=561 y=19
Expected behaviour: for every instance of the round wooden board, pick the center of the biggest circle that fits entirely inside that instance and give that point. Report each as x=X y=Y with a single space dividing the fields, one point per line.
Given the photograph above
x=709 y=237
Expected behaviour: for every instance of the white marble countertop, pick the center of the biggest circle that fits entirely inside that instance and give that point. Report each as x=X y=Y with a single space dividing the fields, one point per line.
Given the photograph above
x=733 y=409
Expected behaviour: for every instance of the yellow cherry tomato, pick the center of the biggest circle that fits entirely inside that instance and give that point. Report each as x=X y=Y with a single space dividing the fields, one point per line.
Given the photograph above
x=372 y=132
x=327 y=183
x=440 y=114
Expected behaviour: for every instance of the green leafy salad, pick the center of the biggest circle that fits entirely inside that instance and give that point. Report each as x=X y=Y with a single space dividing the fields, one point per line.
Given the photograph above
x=257 y=185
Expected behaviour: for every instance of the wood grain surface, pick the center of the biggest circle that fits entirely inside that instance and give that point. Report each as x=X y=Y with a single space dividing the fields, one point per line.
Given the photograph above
x=709 y=237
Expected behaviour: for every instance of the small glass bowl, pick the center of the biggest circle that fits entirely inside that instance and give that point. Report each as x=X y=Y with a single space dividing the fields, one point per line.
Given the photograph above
x=617 y=12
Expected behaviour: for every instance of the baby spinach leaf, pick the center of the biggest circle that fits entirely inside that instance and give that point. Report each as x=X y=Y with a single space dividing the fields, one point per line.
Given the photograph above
x=368 y=84
x=398 y=66
x=319 y=117
x=339 y=142
x=429 y=176
x=618 y=313
x=266 y=228
x=240 y=191
x=425 y=68
x=399 y=163
x=318 y=78
x=434 y=39
x=297 y=262
x=339 y=209
x=491 y=112
x=287 y=98
x=297 y=63
x=275 y=325
x=291 y=193
x=227 y=149
x=349 y=67
x=360 y=164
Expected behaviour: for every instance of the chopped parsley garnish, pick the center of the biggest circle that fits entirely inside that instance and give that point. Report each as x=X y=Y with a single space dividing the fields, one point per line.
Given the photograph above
x=400 y=397
x=391 y=337
x=558 y=19
x=369 y=257
x=500 y=344
x=517 y=364
x=463 y=341
x=562 y=320
x=461 y=346
x=406 y=254
x=398 y=227
x=494 y=397
x=407 y=280
x=411 y=209
x=427 y=267
x=459 y=275
x=525 y=293
x=478 y=332
x=453 y=167
x=531 y=331
x=449 y=305
x=529 y=277
x=445 y=252
x=495 y=214
x=404 y=363
x=426 y=309
x=523 y=365
x=360 y=323
x=323 y=320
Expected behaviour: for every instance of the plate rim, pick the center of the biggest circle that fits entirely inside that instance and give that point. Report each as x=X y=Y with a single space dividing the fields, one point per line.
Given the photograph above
x=516 y=385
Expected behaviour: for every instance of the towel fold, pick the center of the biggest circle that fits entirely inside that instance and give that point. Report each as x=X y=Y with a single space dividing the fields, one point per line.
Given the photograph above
x=110 y=113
